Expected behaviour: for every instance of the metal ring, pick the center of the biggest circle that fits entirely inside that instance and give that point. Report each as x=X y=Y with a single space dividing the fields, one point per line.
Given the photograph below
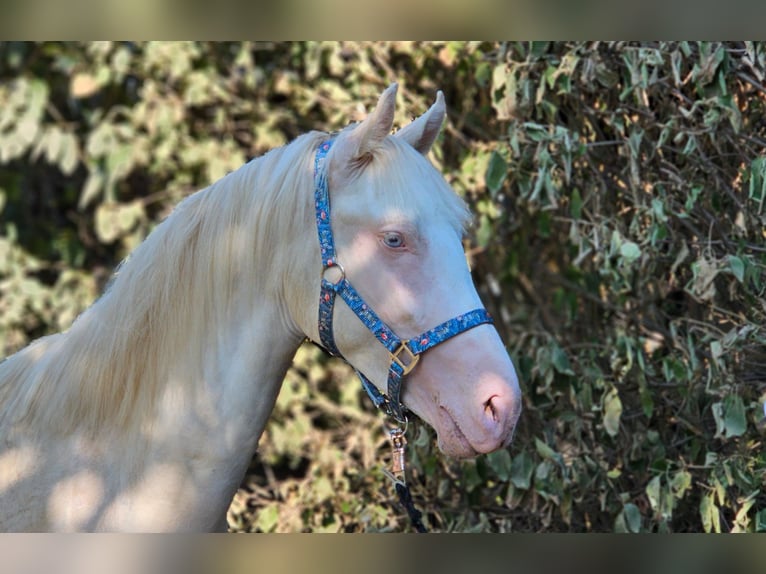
x=400 y=422
x=333 y=265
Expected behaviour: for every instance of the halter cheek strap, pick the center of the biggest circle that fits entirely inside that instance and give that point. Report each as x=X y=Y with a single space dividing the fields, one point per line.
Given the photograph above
x=404 y=353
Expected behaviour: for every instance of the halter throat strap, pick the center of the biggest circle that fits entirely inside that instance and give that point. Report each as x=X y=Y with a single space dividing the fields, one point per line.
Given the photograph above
x=404 y=353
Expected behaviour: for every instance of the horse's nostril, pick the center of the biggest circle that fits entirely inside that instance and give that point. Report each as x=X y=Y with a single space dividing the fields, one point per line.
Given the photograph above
x=490 y=409
x=501 y=412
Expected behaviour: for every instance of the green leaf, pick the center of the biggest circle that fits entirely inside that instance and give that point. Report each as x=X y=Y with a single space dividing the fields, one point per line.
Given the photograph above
x=68 y=159
x=423 y=439
x=113 y=220
x=268 y=518
x=500 y=462
x=647 y=402
x=734 y=420
x=681 y=482
x=536 y=132
x=607 y=76
x=560 y=361
x=538 y=49
x=52 y=142
x=543 y=471
x=632 y=517
x=575 y=208
x=483 y=74
x=658 y=208
x=322 y=488
x=121 y=62
x=484 y=232
x=612 y=412
x=38 y=97
x=737 y=268
x=497 y=171
x=760 y=520
x=471 y=477
x=503 y=92
x=711 y=521
x=653 y=493
x=522 y=468
x=720 y=426
x=93 y=186
x=545 y=451
x=757 y=186
x=629 y=252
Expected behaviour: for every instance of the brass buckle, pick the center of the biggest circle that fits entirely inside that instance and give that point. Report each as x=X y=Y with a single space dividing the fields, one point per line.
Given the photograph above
x=408 y=362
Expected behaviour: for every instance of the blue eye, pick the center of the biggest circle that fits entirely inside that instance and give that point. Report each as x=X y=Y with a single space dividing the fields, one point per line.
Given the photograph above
x=393 y=239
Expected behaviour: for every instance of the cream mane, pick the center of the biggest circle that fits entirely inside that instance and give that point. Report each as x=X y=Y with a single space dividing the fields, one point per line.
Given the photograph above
x=170 y=296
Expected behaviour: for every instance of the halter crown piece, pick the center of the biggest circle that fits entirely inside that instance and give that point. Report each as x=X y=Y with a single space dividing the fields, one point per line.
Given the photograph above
x=404 y=353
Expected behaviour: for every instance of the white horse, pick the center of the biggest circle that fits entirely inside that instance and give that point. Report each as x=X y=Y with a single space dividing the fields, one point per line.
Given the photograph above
x=144 y=415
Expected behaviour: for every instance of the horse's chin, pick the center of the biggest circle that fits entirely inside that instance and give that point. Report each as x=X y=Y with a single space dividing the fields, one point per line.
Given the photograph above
x=457 y=450
x=451 y=439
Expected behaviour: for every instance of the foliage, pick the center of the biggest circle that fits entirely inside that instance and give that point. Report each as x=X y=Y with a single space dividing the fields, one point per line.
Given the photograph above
x=619 y=197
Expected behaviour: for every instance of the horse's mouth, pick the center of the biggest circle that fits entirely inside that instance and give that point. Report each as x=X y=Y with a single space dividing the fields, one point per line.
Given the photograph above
x=452 y=439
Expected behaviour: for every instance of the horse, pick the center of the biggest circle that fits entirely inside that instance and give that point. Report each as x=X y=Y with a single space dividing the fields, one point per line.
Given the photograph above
x=145 y=413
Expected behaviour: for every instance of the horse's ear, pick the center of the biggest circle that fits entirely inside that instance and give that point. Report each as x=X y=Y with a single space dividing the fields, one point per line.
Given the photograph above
x=369 y=134
x=422 y=133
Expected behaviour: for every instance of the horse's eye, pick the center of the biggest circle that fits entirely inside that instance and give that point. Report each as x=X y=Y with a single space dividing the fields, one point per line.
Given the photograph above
x=393 y=239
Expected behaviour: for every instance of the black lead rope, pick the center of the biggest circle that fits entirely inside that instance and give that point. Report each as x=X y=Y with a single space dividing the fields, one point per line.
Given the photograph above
x=405 y=498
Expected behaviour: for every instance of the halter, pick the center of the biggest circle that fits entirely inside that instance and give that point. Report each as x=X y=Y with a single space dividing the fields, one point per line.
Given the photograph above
x=404 y=353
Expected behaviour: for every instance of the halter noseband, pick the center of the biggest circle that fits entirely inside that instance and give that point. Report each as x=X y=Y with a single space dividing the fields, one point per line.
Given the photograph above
x=404 y=354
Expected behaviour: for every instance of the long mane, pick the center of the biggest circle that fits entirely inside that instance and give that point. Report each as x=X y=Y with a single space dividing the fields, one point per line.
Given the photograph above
x=170 y=296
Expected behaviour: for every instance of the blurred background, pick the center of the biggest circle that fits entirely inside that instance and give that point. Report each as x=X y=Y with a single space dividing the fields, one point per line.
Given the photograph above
x=618 y=190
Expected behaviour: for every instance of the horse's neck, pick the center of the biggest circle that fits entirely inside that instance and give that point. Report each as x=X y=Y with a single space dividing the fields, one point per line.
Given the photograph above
x=220 y=406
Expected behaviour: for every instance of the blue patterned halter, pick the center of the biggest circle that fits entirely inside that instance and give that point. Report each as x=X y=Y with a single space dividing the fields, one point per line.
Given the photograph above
x=404 y=353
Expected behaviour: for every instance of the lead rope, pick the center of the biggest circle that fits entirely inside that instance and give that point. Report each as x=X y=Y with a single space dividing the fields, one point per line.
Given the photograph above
x=397 y=475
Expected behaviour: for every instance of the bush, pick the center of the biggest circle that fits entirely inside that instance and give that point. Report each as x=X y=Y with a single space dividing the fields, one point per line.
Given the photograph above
x=619 y=197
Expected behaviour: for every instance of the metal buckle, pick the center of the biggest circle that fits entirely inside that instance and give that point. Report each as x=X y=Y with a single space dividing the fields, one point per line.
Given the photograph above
x=398 y=447
x=411 y=358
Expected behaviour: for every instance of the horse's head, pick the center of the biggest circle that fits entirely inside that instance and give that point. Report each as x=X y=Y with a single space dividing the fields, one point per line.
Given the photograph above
x=397 y=230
